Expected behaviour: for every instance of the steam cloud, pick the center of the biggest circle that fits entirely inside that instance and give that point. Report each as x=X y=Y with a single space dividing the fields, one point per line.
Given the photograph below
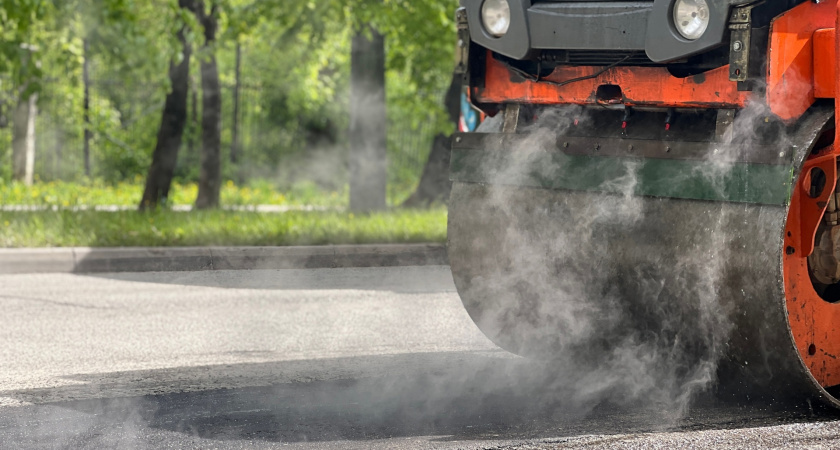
x=623 y=308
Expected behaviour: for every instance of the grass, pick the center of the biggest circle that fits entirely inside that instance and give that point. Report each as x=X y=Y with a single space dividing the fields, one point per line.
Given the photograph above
x=202 y=228
x=98 y=193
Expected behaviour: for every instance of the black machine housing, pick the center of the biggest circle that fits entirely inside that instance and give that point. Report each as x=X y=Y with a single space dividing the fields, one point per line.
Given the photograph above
x=628 y=32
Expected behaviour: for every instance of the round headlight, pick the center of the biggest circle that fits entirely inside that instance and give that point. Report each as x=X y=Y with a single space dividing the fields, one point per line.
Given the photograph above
x=691 y=17
x=495 y=15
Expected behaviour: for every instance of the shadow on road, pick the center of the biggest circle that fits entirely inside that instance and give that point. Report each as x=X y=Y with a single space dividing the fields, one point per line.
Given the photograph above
x=448 y=396
x=411 y=279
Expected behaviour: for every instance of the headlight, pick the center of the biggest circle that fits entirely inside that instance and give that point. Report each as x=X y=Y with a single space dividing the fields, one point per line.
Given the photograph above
x=691 y=17
x=495 y=15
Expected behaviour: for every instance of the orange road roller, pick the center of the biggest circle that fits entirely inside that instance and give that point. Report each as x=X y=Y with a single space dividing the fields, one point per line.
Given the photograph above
x=654 y=193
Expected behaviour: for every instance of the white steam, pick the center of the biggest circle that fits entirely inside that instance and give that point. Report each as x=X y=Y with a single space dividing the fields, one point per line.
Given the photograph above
x=626 y=309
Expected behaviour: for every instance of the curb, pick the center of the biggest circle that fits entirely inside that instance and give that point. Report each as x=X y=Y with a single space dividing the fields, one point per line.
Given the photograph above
x=181 y=259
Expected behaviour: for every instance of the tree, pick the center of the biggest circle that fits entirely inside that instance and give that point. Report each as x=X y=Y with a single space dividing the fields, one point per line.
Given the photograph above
x=175 y=112
x=368 y=119
x=420 y=39
x=21 y=24
x=210 y=179
x=171 y=131
x=23 y=127
x=434 y=185
x=296 y=74
x=23 y=137
x=234 y=145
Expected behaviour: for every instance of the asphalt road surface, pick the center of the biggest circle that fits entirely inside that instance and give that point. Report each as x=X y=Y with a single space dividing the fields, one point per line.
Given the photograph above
x=345 y=358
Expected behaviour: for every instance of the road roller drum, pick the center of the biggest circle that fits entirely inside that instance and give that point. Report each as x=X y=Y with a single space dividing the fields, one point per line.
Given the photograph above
x=663 y=210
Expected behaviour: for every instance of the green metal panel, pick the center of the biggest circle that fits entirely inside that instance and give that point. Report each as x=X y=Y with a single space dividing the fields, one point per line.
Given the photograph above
x=688 y=179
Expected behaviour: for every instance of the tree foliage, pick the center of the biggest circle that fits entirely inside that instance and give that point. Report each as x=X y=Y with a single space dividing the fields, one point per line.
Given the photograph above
x=295 y=67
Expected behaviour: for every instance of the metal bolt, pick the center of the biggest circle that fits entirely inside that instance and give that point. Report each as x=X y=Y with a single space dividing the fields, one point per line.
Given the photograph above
x=630 y=147
x=597 y=147
x=781 y=154
x=565 y=145
x=737 y=46
x=458 y=139
x=716 y=151
x=667 y=149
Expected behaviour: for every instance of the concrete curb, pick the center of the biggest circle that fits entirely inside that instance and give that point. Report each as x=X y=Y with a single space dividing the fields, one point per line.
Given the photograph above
x=179 y=259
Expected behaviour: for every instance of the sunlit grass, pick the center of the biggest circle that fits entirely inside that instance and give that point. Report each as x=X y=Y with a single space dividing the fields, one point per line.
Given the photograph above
x=97 y=193
x=167 y=228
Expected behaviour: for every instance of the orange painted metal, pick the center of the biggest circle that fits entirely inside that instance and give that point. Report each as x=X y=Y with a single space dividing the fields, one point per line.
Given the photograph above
x=802 y=66
x=811 y=210
x=790 y=64
x=641 y=86
x=794 y=78
x=836 y=79
x=824 y=63
x=814 y=323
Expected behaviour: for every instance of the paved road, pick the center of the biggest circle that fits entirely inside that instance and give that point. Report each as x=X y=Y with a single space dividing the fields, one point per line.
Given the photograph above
x=344 y=358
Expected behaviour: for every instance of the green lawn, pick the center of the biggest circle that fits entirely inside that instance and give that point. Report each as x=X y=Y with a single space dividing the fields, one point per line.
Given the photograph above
x=200 y=228
x=63 y=194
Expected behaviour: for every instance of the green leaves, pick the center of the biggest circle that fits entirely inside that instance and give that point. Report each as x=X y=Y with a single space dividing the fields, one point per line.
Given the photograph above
x=295 y=72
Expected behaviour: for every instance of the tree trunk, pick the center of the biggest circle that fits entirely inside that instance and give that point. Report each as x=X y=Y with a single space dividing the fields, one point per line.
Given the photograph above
x=58 y=169
x=194 y=121
x=234 y=145
x=434 y=184
x=86 y=105
x=170 y=133
x=23 y=138
x=210 y=178
x=368 y=139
